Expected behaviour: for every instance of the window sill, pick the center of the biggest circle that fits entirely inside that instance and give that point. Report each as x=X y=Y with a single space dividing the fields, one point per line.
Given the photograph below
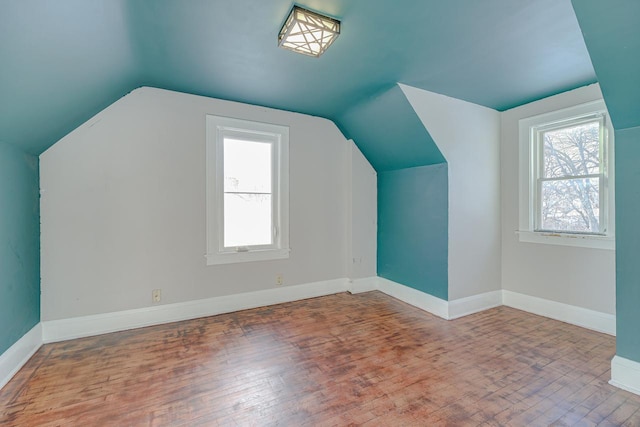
x=250 y=256
x=593 y=242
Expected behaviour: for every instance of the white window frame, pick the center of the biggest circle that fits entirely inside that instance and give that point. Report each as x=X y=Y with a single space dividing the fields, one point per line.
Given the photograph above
x=278 y=137
x=530 y=158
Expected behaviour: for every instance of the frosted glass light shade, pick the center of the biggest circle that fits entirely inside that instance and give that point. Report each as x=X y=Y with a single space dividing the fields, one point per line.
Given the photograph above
x=308 y=32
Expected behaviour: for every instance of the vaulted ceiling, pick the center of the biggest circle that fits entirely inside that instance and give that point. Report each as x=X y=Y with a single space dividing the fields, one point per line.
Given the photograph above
x=63 y=61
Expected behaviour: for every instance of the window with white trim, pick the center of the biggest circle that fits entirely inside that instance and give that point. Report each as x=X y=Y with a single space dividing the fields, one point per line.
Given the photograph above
x=247 y=191
x=566 y=177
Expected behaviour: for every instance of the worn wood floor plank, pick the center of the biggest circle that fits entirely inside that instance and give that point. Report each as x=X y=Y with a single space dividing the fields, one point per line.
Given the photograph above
x=339 y=360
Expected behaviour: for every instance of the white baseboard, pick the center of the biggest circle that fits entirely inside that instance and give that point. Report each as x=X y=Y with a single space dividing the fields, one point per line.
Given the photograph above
x=590 y=319
x=65 y=329
x=416 y=298
x=625 y=374
x=367 y=284
x=19 y=353
x=77 y=327
x=474 y=304
x=446 y=309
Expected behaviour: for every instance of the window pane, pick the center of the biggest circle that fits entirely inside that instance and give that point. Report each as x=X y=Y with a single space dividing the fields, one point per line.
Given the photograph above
x=572 y=151
x=247 y=220
x=247 y=166
x=571 y=205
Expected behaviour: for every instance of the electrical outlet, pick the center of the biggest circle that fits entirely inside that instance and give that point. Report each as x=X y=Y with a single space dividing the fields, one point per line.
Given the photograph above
x=156 y=295
x=279 y=280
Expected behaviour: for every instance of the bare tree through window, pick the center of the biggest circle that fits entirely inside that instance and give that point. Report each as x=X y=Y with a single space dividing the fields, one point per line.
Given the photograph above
x=570 y=179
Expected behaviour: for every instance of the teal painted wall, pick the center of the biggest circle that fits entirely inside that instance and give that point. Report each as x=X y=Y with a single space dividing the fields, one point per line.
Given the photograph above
x=19 y=244
x=612 y=35
x=413 y=228
x=628 y=243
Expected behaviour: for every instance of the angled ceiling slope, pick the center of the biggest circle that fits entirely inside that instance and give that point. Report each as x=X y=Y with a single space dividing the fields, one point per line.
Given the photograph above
x=396 y=138
x=61 y=62
x=612 y=33
x=64 y=61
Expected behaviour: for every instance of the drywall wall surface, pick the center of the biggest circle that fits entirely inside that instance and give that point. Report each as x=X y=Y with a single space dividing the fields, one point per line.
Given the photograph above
x=412 y=228
x=468 y=135
x=363 y=202
x=577 y=276
x=19 y=245
x=627 y=242
x=123 y=207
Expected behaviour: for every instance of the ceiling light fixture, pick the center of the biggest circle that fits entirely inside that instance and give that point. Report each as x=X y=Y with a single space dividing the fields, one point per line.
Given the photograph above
x=308 y=32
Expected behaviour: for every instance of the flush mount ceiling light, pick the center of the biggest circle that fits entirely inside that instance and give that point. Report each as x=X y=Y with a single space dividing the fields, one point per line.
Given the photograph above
x=308 y=32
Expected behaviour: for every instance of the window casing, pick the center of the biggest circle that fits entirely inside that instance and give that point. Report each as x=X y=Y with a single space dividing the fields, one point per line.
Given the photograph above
x=247 y=191
x=566 y=178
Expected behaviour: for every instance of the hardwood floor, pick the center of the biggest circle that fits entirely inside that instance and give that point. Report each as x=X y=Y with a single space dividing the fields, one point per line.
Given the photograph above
x=364 y=359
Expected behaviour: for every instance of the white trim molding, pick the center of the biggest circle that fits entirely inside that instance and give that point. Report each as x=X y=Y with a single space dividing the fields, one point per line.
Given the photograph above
x=274 y=137
x=78 y=327
x=19 y=353
x=414 y=297
x=447 y=310
x=579 y=316
x=625 y=374
x=454 y=309
x=529 y=158
x=367 y=284
x=565 y=239
x=474 y=304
